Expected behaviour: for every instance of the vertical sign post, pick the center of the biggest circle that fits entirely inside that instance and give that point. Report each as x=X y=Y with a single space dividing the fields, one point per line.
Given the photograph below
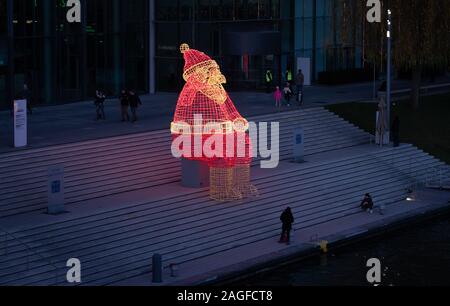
x=20 y=124
x=389 y=73
x=55 y=187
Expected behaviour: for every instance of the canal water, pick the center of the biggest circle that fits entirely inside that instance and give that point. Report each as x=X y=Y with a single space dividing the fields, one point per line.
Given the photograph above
x=418 y=255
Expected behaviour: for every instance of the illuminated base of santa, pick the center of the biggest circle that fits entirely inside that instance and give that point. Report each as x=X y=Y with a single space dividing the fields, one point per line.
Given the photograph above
x=231 y=184
x=242 y=181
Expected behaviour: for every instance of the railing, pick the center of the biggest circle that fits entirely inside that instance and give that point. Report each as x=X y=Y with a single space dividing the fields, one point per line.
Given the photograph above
x=435 y=177
x=343 y=130
x=438 y=177
x=30 y=253
x=413 y=177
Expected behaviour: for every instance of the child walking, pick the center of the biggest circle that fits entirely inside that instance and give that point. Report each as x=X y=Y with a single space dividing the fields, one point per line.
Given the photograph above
x=278 y=95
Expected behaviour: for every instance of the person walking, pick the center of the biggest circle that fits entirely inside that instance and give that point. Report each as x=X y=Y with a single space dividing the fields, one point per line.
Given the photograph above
x=396 y=132
x=287 y=94
x=100 y=104
x=27 y=94
x=269 y=80
x=278 y=95
x=124 y=104
x=299 y=82
x=135 y=102
x=287 y=219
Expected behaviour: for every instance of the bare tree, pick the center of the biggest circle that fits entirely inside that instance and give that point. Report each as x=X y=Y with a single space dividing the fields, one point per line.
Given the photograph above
x=421 y=35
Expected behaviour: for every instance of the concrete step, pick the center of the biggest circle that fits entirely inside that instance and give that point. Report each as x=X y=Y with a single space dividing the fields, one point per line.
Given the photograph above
x=404 y=151
x=155 y=136
x=116 y=153
x=358 y=195
x=35 y=193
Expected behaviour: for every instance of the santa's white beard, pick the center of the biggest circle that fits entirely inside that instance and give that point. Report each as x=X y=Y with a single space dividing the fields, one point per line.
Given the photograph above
x=215 y=92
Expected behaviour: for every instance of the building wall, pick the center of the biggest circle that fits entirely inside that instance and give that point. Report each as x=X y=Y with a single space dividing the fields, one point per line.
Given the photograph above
x=3 y=52
x=63 y=62
x=246 y=37
x=306 y=28
x=136 y=43
x=317 y=37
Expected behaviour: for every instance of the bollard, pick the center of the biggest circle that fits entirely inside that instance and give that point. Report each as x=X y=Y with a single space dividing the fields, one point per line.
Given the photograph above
x=157 y=268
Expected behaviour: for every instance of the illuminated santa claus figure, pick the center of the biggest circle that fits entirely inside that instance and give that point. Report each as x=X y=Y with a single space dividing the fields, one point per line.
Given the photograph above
x=208 y=128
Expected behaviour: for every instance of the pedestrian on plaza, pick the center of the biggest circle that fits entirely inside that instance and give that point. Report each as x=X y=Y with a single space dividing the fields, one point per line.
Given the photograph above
x=100 y=104
x=396 y=131
x=269 y=80
x=135 y=102
x=287 y=219
x=299 y=82
x=27 y=95
x=124 y=104
x=278 y=96
x=287 y=94
x=367 y=203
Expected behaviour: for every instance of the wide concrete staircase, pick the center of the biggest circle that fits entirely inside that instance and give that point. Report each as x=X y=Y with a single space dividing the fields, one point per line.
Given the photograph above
x=94 y=169
x=118 y=244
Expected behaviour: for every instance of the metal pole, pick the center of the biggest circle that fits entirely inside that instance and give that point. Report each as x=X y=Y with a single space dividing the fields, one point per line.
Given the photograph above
x=10 y=79
x=389 y=66
x=157 y=268
x=152 y=48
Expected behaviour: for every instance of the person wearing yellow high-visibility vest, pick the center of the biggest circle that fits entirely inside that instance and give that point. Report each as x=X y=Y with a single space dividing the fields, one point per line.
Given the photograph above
x=269 y=80
x=289 y=76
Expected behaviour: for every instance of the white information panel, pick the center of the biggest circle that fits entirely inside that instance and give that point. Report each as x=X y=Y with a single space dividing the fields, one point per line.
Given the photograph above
x=20 y=124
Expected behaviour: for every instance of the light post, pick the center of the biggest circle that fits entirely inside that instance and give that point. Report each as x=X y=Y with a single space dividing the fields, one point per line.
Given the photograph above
x=388 y=71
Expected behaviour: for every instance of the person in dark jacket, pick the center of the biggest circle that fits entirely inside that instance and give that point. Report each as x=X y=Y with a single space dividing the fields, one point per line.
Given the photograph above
x=367 y=203
x=100 y=104
x=27 y=95
x=396 y=132
x=135 y=102
x=287 y=220
x=124 y=104
x=299 y=82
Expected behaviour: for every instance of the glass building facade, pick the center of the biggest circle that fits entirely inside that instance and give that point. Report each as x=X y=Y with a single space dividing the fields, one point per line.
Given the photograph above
x=247 y=37
x=135 y=44
x=63 y=62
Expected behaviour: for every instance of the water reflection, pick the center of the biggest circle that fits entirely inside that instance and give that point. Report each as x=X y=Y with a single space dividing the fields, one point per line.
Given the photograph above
x=417 y=256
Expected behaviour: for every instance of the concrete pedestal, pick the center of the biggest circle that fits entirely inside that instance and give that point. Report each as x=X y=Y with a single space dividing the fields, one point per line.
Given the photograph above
x=195 y=174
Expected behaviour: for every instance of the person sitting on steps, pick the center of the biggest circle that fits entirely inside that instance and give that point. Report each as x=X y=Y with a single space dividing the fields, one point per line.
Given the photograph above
x=367 y=203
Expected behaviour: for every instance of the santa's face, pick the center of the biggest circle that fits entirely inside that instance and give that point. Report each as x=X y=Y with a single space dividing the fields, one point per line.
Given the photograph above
x=215 y=76
x=209 y=80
